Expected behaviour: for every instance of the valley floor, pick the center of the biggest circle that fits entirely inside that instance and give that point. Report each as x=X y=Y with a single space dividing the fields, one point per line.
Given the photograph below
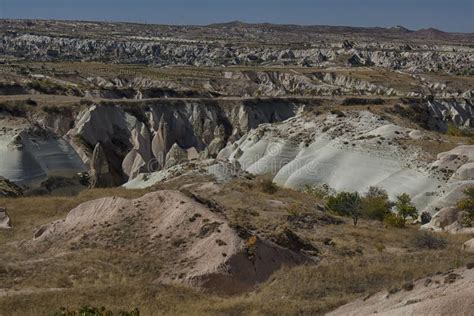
x=352 y=262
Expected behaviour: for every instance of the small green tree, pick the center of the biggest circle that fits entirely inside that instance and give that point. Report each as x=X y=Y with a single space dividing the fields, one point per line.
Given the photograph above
x=346 y=204
x=375 y=204
x=376 y=192
x=320 y=191
x=405 y=207
x=467 y=205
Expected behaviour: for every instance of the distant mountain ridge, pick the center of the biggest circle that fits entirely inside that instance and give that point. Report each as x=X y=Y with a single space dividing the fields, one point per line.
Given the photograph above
x=234 y=30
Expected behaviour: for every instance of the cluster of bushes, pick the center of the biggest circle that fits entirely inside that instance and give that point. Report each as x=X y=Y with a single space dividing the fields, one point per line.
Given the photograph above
x=87 y=310
x=454 y=130
x=425 y=240
x=320 y=191
x=17 y=108
x=49 y=87
x=374 y=205
x=362 y=101
x=54 y=109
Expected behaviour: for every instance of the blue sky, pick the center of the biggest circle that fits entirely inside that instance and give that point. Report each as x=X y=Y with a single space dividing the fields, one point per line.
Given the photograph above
x=448 y=15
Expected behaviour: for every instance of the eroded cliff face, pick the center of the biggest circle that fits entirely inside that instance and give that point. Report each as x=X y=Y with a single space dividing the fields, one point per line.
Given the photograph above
x=117 y=141
x=30 y=151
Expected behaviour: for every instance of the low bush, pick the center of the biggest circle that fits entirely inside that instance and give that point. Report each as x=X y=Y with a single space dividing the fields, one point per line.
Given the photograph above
x=425 y=218
x=87 y=310
x=52 y=109
x=454 y=130
x=362 y=101
x=393 y=220
x=268 y=186
x=320 y=191
x=425 y=240
x=13 y=109
x=31 y=102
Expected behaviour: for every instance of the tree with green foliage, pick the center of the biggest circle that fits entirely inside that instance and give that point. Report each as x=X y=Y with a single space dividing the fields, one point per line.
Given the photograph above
x=405 y=207
x=87 y=310
x=375 y=192
x=375 y=204
x=467 y=206
x=346 y=204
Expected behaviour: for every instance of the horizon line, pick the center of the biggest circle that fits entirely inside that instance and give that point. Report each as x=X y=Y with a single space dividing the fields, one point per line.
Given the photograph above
x=231 y=22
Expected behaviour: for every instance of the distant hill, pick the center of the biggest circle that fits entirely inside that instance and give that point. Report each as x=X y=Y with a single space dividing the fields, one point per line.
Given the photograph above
x=431 y=32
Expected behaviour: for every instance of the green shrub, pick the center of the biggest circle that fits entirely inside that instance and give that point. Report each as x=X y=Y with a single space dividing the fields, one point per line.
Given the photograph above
x=375 y=208
x=52 y=109
x=268 y=186
x=375 y=204
x=346 y=204
x=319 y=191
x=425 y=218
x=454 y=130
x=87 y=310
x=393 y=220
x=13 y=109
x=362 y=101
x=376 y=192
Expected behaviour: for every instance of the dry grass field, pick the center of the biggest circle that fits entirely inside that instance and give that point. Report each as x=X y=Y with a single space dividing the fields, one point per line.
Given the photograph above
x=352 y=261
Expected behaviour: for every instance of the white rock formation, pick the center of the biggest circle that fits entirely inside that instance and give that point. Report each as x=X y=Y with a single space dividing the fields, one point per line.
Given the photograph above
x=29 y=155
x=448 y=293
x=347 y=153
x=5 y=221
x=141 y=140
x=468 y=246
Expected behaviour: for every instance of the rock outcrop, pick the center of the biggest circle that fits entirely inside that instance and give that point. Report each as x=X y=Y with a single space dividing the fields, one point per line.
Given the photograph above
x=459 y=113
x=448 y=219
x=468 y=246
x=176 y=155
x=9 y=189
x=100 y=174
x=5 y=221
x=155 y=136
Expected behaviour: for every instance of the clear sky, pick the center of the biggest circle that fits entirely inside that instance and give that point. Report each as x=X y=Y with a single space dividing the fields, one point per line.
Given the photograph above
x=447 y=15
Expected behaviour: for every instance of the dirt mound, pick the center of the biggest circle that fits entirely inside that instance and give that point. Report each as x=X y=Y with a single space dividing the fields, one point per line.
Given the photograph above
x=194 y=244
x=447 y=293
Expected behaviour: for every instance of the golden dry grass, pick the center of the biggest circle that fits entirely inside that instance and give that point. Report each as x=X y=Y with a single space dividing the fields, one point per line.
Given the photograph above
x=359 y=261
x=27 y=213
